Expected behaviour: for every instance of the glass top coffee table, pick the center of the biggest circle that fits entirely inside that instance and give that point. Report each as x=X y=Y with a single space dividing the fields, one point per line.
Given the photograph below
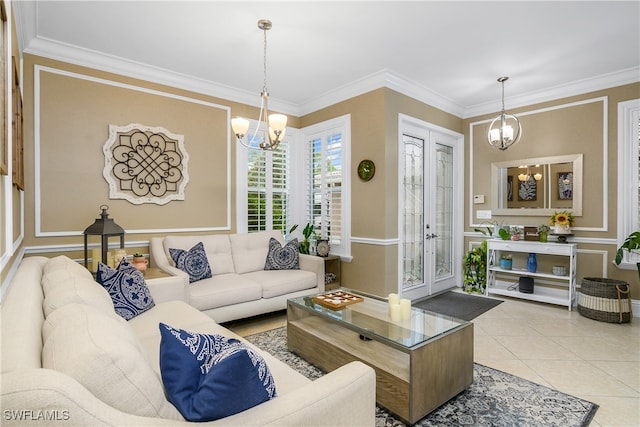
x=420 y=362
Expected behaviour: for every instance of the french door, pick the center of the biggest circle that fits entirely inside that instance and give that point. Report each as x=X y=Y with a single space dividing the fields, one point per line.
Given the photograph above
x=430 y=219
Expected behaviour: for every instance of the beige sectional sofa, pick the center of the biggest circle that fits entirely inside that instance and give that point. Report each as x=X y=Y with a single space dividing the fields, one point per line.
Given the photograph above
x=240 y=287
x=69 y=359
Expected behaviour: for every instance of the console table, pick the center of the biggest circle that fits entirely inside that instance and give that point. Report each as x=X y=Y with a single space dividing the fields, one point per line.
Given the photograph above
x=562 y=293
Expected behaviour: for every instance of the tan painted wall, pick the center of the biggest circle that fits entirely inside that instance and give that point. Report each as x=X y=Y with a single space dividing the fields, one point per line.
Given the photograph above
x=374 y=206
x=569 y=130
x=374 y=136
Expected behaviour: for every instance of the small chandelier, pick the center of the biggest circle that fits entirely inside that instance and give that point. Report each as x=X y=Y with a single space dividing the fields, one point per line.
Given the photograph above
x=501 y=130
x=274 y=125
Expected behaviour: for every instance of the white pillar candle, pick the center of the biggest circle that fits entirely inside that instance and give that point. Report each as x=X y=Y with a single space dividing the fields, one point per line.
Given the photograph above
x=394 y=312
x=394 y=299
x=405 y=308
x=96 y=255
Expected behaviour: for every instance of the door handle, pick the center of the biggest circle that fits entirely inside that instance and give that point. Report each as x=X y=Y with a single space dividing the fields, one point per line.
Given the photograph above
x=430 y=236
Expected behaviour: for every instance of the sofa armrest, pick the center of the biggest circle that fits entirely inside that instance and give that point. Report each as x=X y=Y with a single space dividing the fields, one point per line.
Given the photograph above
x=314 y=264
x=168 y=288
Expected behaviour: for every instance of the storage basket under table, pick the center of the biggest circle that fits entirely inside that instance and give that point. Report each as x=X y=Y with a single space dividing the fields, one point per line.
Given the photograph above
x=606 y=300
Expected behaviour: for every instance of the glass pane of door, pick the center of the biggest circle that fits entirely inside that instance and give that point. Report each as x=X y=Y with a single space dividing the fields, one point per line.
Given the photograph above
x=444 y=211
x=413 y=212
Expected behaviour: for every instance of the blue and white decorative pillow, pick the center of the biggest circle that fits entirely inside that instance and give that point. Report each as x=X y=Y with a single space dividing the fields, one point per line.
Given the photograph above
x=194 y=262
x=208 y=377
x=127 y=289
x=282 y=257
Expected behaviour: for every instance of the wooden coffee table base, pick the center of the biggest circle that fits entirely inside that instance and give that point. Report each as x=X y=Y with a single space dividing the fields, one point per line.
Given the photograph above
x=409 y=383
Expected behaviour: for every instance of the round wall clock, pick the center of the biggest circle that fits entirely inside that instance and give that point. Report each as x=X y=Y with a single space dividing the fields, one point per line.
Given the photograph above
x=366 y=170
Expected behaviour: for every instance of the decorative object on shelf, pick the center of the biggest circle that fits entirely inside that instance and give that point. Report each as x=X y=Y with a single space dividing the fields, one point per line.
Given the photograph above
x=145 y=164
x=525 y=284
x=515 y=233
x=140 y=262
x=323 y=248
x=559 y=270
x=501 y=133
x=562 y=237
x=531 y=233
x=631 y=245
x=104 y=227
x=506 y=262
x=366 y=170
x=543 y=232
x=562 y=222
x=274 y=126
x=532 y=263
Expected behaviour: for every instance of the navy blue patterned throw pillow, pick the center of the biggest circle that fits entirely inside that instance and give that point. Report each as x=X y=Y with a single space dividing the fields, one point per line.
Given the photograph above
x=282 y=257
x=194 y=262
x=127 y=289
x=208 y=377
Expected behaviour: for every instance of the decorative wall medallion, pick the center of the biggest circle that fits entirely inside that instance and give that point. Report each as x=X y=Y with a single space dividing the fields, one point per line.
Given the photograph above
x=366 y=170
x=145 y=164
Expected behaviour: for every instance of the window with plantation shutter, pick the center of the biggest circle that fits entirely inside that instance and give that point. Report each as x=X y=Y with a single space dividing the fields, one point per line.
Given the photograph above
x=267 y=189
x=327 y=187
x=263 y=192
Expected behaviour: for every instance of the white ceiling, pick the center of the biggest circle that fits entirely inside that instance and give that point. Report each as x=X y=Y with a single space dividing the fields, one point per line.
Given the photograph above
x=448 y=54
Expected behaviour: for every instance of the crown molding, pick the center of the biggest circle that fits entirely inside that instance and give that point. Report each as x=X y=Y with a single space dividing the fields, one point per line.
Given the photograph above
x=385 y=78
x=605 y=81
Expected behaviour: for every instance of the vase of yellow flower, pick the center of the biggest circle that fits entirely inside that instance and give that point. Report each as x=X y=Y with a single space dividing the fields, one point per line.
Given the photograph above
x=562 y=222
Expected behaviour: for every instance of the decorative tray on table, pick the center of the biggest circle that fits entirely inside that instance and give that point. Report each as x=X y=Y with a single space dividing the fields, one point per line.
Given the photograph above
x=336 y=300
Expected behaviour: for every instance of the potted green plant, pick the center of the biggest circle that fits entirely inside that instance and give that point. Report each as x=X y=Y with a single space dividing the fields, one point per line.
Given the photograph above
x=515 y=233
x=475 y=269
x=308 y=232
x=630 y=244
x=139 y=261
x=506 y=262
x=543 y=232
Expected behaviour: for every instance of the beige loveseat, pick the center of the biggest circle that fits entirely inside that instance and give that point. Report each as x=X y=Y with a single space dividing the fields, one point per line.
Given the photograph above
x=240 y=286
x=69 y=359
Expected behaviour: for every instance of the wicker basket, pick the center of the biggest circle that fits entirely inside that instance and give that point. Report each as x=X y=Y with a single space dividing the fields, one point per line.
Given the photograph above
x=606 y=300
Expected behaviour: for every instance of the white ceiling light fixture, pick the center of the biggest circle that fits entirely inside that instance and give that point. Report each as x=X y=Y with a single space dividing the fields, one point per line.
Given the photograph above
x=274 y=125
x=502 y=134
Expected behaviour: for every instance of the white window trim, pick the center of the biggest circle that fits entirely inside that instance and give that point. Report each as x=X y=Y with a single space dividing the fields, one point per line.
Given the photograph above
x=344 y=124
x=628 y=117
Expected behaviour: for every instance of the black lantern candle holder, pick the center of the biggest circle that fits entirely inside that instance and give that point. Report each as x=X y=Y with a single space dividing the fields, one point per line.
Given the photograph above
x=104 y=227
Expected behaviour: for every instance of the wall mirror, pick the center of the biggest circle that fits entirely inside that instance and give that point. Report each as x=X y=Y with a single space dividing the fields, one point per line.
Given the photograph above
x=537 y=186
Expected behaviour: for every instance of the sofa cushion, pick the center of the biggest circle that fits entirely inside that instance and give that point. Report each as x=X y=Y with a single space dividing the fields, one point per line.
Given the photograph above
x=58 y=269
x=217 y=247
x=194 y=262
x=102 y=353
x=282 y=257
x=208 y=377
x=222 y=290
x=250 y=249
x=281 y=282
x=127 y=289
x=80 y=290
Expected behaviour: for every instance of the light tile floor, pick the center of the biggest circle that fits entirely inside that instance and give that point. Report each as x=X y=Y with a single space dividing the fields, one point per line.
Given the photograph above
x=549 y=345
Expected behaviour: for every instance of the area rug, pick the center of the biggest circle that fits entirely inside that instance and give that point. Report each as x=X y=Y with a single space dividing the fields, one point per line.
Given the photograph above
x=458 y=305
x=494 y=399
